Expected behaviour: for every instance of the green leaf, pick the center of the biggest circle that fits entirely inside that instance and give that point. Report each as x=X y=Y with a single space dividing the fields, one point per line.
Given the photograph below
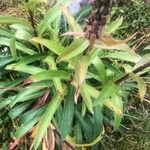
x=46 y=119
x=21 y=27
x=24 y=128
x=115 y=105
x=49 y=75
x=95 y=141
x=51 y=45
x=5 y=102
x=100 y=69
x=16 y=111
x=13 y=48
x=81 y=63
x=98 y=119
x=56 y=24
x=78 y=133
x=50 y=16
x=113 y=26
x=36 y=87
x=19 y=46
x=117 y=100
x=141 y=85
x=29 y=59
x=29 y=115
x=23 y=35
x=14 y=20
x=144 y=60
x=87 y=98
x=147 y=47
x=107 y=91
x=85 y=126
x=25 y=68
x=4 y=60
x=52 y=66
x=6 y=32
x=76 y=48
x=67 y=115
x=123 y=56
x=92 y=91
x=11 y=84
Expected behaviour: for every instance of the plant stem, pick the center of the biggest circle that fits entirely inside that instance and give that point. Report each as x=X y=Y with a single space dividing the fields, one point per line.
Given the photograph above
x=126 y=76
x=31 y=16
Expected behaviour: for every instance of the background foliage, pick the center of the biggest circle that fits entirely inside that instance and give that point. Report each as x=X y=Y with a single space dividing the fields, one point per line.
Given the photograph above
x=36 y=87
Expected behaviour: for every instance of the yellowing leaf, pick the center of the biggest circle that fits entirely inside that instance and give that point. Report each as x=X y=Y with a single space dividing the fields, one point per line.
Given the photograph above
x=107 y=42
x=88 y=144
x=81 y=66
x=141 y=87
x=112 y=104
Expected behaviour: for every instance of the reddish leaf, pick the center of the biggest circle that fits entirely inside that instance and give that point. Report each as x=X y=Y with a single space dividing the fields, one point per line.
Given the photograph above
x=42 y=100
x=14 y=143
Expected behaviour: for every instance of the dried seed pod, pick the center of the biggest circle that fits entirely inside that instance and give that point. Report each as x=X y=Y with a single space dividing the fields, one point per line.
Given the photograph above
x=97 y=18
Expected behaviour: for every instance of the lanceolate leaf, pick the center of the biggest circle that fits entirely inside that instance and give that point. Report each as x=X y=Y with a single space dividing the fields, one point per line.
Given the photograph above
x=123 y=56
x=13 y=48
x=107 y=42
x=46 y=119
x=19 y=46
x=18 y=109
x=52 y=66
x=100 y=69
x=36 y=87
x=29 y=59
x=6 y=33
x=76 y=48
x=115 y=105
x=51 y=15
x=87 y=98
x=49 y=75
x=114 y=25
x=4 y=60
x=144 y=60
x=81 y=65
x=67 y=115
x=98 y=139
x=23 y=35
x=51 y=45
x=107 y=91
x=141 y=85
x=25 y=68
x=29 y=115
x=14 y=20
x=24 y=128
x=117 y=100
